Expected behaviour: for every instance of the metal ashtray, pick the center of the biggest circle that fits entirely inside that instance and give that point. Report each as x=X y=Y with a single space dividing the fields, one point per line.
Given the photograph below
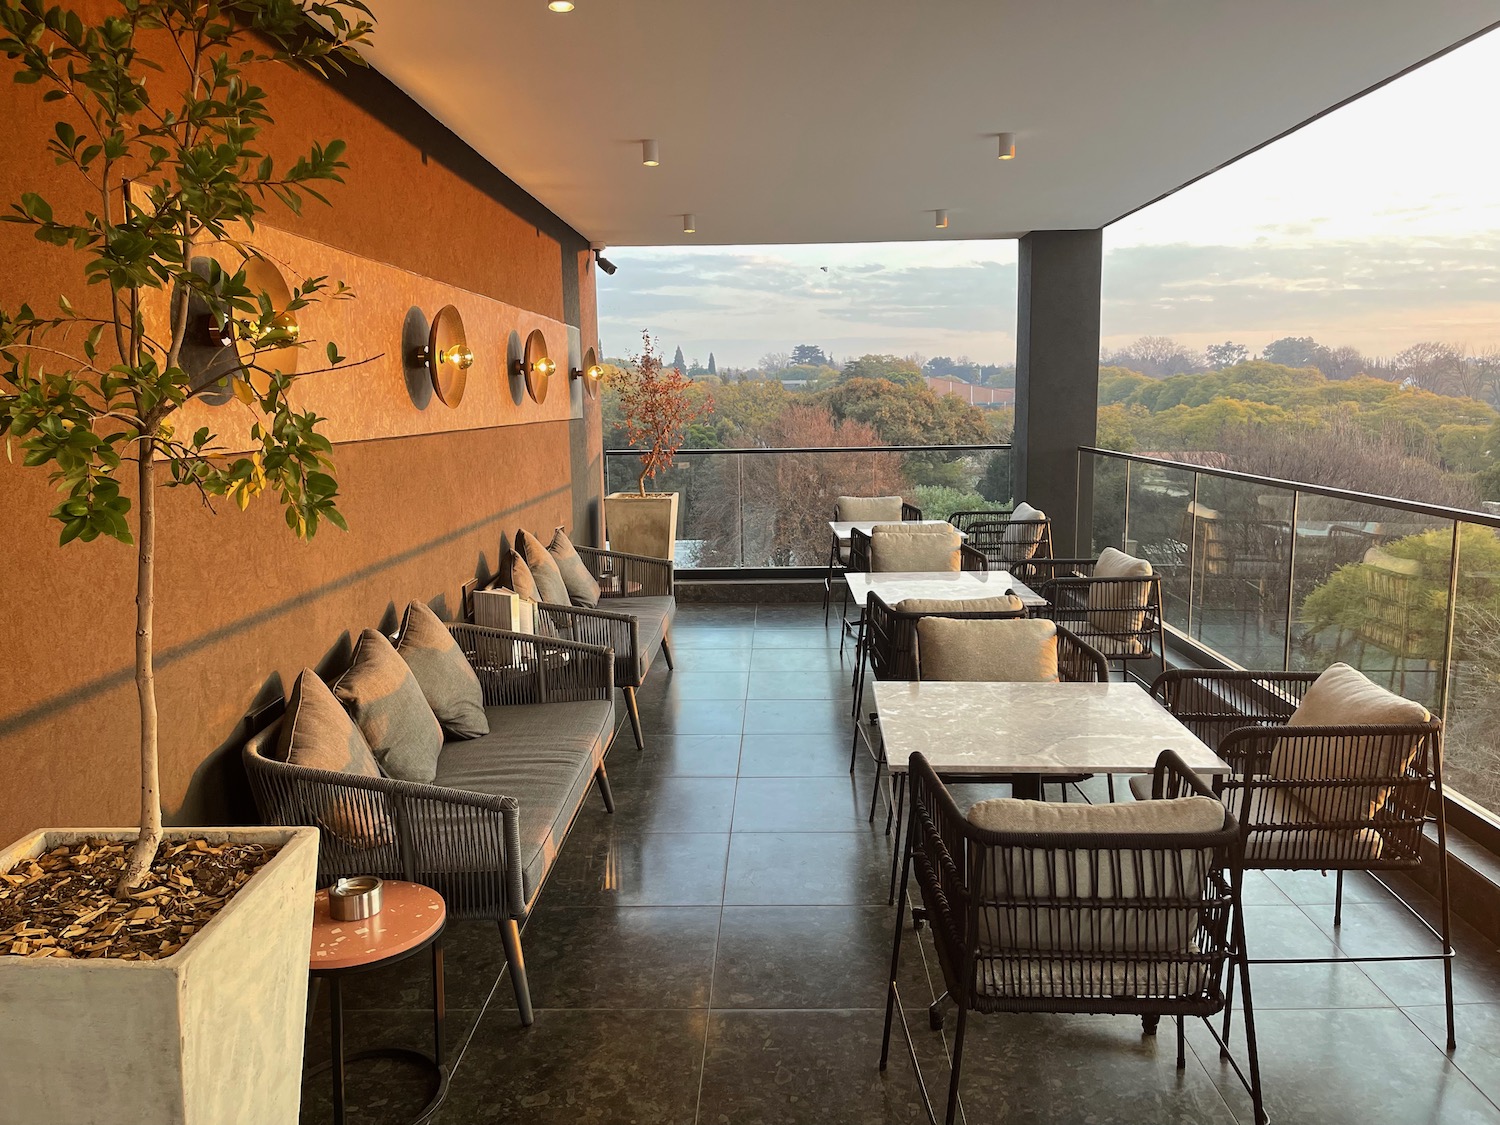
x=355 y=897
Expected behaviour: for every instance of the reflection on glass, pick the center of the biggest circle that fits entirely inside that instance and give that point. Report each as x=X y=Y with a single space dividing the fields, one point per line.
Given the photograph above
x=1109 y=502
x=1160 y=531
x=1471 y=742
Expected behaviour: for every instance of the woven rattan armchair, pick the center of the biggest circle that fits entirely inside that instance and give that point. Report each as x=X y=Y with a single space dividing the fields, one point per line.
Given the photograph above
x=1121 y=617
x=859 y=554
x=634 y=634
x=1140 y=923
x=965 y=520
x=464 y=845
x=1006 y=543
x=838 y=557
x=1324 y=817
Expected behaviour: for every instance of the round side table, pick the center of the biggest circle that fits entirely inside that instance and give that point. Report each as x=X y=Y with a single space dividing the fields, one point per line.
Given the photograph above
x=411 y=919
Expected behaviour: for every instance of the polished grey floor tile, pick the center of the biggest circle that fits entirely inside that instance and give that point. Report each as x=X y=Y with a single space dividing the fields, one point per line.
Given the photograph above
x=674 y=755
x=583 y=1067
x=807 y=868
x=691 y=716
x=1369 y=1066
x=669 y=804
x=695 y=684
x=720 y=616
x=803 y=1068
x=803 y=659
x=1313 y=888
x=805 y=683
x=609 y=866
x=794 y=615
x=783 y=755
x=796 y=638
x=802 y=804
x=381 y=1090
x=1477 y=1029
x=619 y=957
x=803 y=957
x=685 y=641
x=797 y=716
x=1386 y=929
x=704 y=658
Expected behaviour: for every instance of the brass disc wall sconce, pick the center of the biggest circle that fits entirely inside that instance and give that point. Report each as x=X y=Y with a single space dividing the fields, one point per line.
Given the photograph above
x=592 y=373
x=446 y=355
x=535 y=367
x=262 y=277
x=217 y=349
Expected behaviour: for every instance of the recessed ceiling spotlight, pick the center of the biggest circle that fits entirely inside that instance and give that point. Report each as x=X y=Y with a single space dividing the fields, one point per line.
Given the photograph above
x=690 y=224
x=560 y=5
x=650 y=157
x=1007 y=146
x=940 y=219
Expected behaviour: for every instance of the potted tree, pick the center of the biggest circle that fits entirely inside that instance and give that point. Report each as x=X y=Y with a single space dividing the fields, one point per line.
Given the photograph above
x=657 y=408
x=153 y=975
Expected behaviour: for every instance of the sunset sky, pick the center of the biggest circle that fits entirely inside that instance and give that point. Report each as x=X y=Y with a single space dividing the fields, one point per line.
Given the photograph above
x=1376 y=226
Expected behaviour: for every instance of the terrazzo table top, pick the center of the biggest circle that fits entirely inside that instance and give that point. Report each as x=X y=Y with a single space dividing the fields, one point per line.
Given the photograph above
x=410 y=914
x=1007 y=728
x=956 y=585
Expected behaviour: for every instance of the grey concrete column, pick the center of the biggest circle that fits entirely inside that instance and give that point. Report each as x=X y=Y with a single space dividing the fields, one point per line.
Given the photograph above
x=1057 y=378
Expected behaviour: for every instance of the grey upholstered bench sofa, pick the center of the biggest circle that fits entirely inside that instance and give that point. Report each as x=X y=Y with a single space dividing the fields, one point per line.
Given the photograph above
x=486 y=831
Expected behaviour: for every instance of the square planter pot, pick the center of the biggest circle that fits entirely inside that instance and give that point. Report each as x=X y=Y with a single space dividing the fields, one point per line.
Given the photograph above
x=211 y=1034
x=642 y=525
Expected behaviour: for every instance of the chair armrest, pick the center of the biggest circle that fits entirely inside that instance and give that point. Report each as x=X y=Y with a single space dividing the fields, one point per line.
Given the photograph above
x=1171 y=778
x=400 y=830
x=970 y=558
x=1251 y=698
x=527 y=668
x=619 y=632
x=910 y=511
x=859 y=551
x=1078 y=661
x=656 y=576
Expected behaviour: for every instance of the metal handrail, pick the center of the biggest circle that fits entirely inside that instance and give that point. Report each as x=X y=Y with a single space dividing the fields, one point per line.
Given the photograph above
x=983 y=448
x=1441 y=511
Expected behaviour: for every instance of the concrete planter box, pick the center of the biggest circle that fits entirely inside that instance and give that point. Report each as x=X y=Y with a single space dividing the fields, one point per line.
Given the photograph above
x=642 y=525
x=211 y=1034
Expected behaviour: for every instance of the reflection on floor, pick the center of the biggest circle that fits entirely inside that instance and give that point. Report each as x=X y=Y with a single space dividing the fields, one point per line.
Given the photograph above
x=716 y=952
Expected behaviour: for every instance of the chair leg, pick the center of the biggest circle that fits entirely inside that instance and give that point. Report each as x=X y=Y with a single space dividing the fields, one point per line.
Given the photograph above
x=1181 y=1046
x=601 y=779
x=896 y=851
x=890 y=998
x=1445 y=906
x=1252 y=1049
x=958 y=1059
x=1338 y=898
x=1228 y=1011
x=510 y=937
x=635 y=718
x=666 y=651
x=1149 y=1024
x=854 y=747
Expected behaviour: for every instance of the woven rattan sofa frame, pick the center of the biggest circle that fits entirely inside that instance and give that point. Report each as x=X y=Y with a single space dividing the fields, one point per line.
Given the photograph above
x=421 y=833
x=618 y=630
x=1243 y=714
x=1066 y=588
x=909 y=513
x=949 y=857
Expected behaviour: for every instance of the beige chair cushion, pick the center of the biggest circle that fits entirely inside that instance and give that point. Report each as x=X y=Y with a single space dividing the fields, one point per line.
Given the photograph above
x=914 y=547
x=1117 y=609
x=867 y=509
x=442 y=672
x=387 y=704
x=521 y=580
x=1004 y=603
x=583 y=588
x=980 y=651
x=550 y=584
x=1156 y=898
x=1343 y=696
x=318 y=733
x=1022 y=534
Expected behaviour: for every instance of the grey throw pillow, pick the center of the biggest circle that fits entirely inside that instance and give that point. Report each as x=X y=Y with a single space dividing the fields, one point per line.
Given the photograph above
x=521 y=580
x=390 y=710
x=583 y=589
x=319 y=734
x=443 y=673
x=544 y=570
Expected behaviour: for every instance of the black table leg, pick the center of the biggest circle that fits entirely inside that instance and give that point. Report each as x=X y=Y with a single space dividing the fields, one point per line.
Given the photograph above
x=439 y=1002
x=336 y=1018
x=1026 y=786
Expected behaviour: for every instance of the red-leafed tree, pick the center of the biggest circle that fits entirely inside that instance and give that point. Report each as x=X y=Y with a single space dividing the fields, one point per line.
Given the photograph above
x=657 y=407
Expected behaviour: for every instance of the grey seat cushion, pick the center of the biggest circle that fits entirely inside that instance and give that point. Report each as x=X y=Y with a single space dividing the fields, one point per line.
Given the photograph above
x=543 y=755
x=654 y=615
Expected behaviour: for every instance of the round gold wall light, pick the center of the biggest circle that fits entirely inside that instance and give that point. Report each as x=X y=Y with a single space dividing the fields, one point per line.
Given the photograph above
x=535 y=367
x=592 y=373
x=447 y=356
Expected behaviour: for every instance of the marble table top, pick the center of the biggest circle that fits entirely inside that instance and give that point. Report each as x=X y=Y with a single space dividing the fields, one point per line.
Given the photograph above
x=956 y=585
x=842 y=528
x=1005 y=728
x=409 y=914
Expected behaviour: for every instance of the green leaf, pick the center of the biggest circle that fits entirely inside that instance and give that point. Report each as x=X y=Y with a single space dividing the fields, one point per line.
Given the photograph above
x=35 y=206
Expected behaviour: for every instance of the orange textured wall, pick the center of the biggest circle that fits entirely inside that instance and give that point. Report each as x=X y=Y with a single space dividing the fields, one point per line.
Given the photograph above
x=241 y=604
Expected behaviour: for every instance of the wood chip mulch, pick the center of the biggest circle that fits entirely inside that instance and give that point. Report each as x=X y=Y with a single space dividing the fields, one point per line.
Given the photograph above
x=62 y=904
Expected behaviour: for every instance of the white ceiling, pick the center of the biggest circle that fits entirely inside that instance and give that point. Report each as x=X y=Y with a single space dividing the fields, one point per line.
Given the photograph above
x=784 y=121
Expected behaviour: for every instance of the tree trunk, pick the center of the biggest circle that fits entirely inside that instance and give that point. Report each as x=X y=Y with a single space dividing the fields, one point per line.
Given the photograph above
x=144 y=852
